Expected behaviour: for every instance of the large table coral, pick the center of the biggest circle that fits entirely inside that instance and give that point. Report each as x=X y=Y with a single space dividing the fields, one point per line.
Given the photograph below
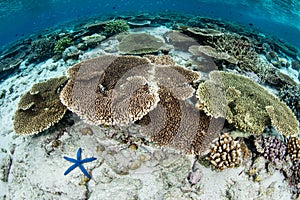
x=245 y=104
x=40 y=107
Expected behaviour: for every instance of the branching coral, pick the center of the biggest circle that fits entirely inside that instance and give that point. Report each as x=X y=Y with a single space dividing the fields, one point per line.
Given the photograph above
x=41 y=50
x=294 y=148
x=225 y=153
x=274 y=150
x=115 y=27
x=62 y=44
x=245 y=104
x=40 y=107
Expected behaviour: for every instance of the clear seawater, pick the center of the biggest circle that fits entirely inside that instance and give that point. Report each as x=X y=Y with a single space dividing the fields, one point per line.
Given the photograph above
x=278 y=17
x=192 y=35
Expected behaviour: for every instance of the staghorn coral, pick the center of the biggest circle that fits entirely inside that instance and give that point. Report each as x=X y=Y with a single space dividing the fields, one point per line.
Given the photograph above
x=140 y=43
x=243 y=103
x=40 y=108
x=225 y=152
x=293 y=148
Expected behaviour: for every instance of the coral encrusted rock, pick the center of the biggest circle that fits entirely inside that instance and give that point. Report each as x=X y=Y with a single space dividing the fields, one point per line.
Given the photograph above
x=225 y=152
x=245 y=104
x=40 y=108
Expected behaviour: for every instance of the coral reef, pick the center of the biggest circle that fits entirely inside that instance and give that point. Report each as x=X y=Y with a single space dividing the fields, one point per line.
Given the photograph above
x=99 y=92
x=293 y=148
x=176 y=123
x=245 y=104
x=115 y=27
x=225 y=153
x=179 y=40
x=40 y=108
x=11 y=59
x=274 y=150
x=211 y=52
x=62 y=44
x=92 y=41
x=71 y=53
x=160 y=60
x=121 y=89
x=41 y=50
x=290 y=94
x=140 y=43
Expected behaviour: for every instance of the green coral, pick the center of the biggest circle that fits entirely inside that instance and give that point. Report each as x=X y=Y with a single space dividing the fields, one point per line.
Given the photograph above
x=62 y=44
x=115 y=27
x=40 y=108
x=245 y=104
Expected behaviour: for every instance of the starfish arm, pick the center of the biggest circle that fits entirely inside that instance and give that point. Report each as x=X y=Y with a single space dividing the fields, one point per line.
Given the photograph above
x=70 y=168
x=84 y=171
x=70 y=159
x=87 y=160
x=78 y=156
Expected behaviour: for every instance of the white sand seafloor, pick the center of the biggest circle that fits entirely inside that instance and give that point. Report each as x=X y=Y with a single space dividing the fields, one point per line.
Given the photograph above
x=32 y=168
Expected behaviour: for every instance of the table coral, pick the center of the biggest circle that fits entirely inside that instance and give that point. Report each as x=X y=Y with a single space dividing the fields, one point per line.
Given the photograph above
x=140 y=43
x=176 y=123
x=40 y=108
x=245 y=104
x=120 y=90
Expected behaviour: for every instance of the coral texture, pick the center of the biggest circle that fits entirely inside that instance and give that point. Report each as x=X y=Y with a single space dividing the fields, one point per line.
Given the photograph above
x=99 y=92
x=140 y=43
x=115 y=27
x=291 y=96
x=120 y=89
x=62 y=44
x=294 y=148
x=245 y=104
x=40 y=108
x=274 y=149
x=176 y=123
x=225 y=153
x=41 y=50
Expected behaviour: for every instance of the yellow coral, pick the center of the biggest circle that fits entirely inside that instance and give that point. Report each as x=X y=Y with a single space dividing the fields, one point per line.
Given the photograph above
x=245 y=104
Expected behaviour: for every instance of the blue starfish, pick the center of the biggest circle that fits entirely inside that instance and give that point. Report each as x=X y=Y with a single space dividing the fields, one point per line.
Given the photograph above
x=78 y=163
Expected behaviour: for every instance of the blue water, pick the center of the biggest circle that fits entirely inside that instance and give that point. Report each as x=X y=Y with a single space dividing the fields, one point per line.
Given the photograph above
x=19 y=18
